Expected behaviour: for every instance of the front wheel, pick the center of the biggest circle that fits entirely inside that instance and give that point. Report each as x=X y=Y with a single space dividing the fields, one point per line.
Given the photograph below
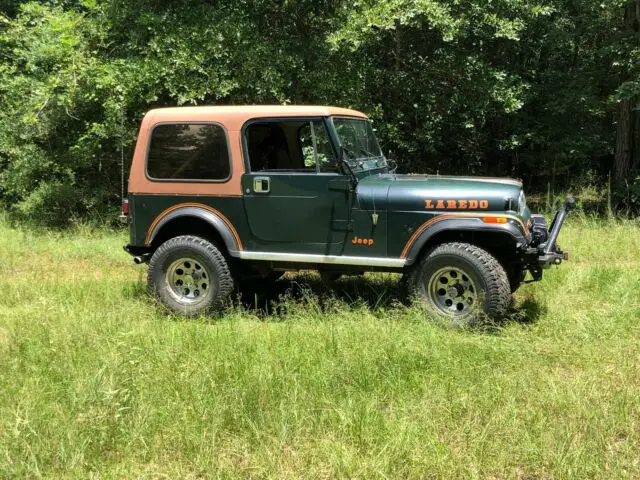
x=190 y=276
x=459 y=282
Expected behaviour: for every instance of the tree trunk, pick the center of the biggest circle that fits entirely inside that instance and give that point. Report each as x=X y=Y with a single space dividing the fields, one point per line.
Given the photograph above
x=624 y=141
x=635 y=156
x=627 y=128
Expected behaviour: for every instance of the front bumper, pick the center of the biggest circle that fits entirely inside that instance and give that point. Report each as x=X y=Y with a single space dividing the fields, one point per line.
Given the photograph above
x=547 y=252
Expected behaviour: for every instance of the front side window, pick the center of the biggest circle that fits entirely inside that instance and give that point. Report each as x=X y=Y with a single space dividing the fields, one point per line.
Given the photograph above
x=186 y=151
x=316 y=147
x=300 y=146
x=359 y=143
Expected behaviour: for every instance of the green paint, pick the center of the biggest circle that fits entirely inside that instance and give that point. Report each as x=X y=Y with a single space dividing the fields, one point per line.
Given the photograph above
x=305 y=212
x=328 y=214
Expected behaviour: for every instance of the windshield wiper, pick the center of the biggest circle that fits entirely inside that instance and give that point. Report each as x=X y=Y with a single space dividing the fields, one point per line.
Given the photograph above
x=349 y=152
x=356 y=161
x=368 y=154
x=353 y=158
x=343 y=154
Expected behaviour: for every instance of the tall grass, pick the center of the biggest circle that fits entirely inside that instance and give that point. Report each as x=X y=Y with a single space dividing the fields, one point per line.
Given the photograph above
x=97 y=380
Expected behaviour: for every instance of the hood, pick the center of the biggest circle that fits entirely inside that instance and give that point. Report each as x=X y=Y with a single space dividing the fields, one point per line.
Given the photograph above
x=439 y=193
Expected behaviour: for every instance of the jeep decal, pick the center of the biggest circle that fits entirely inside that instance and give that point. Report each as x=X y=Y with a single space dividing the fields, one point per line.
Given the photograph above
x=455 y=204
x=362 y=241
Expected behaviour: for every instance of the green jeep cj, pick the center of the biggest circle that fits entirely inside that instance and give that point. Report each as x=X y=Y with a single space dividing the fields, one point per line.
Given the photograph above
x=219 y=195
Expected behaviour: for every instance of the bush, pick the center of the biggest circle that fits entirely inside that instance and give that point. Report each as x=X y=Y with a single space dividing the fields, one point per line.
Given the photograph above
x=627 y=196
x=489 y=88
x=60 y=120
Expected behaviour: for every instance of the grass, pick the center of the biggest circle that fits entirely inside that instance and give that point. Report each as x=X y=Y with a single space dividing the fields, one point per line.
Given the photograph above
x=97 y=381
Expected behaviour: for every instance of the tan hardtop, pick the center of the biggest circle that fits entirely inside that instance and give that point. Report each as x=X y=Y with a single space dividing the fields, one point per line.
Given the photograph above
x=232 y=118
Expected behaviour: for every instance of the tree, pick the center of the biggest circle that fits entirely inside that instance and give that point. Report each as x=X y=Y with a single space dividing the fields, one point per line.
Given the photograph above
x=546 y=90
x=628 y=119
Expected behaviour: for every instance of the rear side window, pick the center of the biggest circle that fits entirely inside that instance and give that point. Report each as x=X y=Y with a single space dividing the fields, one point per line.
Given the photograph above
x=188 y=151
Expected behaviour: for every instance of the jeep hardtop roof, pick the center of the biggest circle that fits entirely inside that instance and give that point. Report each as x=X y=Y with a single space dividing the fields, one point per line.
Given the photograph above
x=231 y=118
x=236 y=114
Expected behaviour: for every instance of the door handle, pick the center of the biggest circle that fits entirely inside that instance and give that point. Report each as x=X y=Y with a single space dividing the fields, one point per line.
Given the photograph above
x=261 y=185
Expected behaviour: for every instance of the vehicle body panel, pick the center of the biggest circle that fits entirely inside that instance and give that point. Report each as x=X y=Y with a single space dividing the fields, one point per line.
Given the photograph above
x=301 y=212
x=377 y=219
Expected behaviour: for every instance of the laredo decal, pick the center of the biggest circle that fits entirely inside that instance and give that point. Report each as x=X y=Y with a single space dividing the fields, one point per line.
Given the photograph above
x=362 y=241
x=434 y=204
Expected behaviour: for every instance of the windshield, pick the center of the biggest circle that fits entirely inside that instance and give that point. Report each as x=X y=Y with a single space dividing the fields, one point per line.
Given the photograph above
x=359 y=143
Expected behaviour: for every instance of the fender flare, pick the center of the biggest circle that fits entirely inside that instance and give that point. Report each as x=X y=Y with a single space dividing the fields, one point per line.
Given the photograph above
x=202 y=212
x=473 y=224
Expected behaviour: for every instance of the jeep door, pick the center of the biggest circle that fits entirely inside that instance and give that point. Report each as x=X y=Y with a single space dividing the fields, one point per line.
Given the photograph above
x=296 y=200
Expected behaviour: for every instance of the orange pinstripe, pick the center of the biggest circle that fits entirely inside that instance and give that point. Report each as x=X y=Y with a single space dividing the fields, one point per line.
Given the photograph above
x=198 y=205
x=439 y=218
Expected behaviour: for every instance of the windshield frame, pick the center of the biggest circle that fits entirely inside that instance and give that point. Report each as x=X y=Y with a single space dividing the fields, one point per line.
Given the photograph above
x=363 y=163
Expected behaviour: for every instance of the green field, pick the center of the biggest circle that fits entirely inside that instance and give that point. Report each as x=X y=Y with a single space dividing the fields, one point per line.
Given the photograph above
x=96 y=380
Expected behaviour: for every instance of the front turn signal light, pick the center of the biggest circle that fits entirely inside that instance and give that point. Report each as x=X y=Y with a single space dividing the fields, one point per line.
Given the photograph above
x=494 y=219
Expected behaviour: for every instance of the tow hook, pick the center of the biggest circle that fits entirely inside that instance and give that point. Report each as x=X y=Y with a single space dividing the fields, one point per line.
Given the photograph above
x=553 y=258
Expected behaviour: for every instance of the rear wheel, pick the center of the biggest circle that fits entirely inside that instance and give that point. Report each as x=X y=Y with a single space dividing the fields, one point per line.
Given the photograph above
x=190 y=276
x=459 y=282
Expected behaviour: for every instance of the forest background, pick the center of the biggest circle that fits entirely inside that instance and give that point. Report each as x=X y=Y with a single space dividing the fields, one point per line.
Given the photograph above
x=544 y=90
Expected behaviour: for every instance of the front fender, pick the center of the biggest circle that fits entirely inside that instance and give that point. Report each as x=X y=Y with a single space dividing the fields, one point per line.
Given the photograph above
x=422 y=237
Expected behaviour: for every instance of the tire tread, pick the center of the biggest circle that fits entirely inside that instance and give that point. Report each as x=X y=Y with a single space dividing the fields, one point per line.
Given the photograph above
x=224 y=277
x=498 y=292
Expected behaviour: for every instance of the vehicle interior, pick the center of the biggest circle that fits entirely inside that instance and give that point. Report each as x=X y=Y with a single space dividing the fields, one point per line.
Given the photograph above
x=290 y=146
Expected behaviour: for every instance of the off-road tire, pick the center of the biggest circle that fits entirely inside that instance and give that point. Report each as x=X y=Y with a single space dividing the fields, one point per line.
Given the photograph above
x=483 y=270
x=206 y=254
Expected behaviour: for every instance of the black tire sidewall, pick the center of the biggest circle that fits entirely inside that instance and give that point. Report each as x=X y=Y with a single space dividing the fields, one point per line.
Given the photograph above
x=160 y=286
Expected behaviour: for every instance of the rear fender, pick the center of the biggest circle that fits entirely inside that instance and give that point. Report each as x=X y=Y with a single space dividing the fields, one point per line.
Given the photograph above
x=213 y=218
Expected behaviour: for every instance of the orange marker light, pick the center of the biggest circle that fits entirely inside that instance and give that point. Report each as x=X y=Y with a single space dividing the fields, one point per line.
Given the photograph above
x=494 y=219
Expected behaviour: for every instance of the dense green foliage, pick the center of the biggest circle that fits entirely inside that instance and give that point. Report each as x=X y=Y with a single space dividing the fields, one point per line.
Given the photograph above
x=541 y=89
x=98 y=382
